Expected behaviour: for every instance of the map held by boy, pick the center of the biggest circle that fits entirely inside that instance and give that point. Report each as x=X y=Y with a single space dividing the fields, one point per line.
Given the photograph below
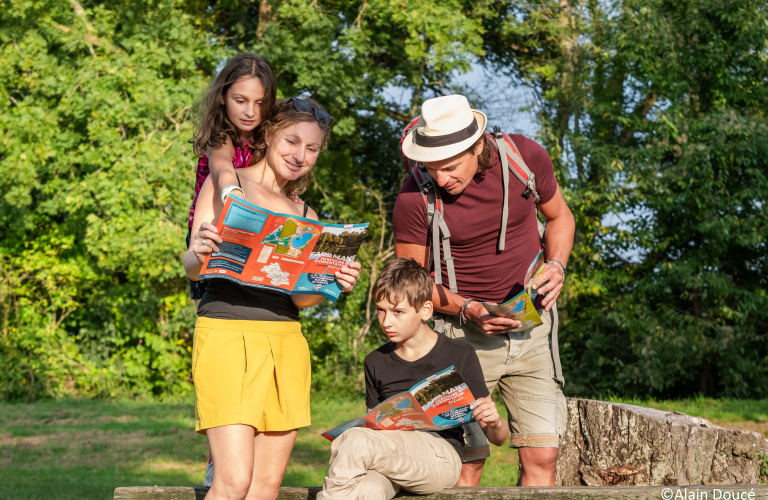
x=439 y=402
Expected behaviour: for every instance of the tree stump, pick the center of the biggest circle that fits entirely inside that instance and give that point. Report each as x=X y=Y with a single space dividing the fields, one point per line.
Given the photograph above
x=612 y=444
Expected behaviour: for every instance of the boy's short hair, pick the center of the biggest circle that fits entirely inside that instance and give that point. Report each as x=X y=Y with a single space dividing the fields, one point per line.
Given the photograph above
x=403 y=279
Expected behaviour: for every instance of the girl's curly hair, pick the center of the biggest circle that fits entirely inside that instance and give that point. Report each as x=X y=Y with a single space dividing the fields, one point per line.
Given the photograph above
x=213 y=124
x=283 y=115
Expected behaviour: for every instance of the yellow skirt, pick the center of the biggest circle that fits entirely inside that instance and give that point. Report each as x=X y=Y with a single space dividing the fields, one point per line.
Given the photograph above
x=254 y=373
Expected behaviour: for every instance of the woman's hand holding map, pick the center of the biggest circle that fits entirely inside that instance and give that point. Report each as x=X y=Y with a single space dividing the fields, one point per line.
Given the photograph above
x=205 y=241
x=348 y=275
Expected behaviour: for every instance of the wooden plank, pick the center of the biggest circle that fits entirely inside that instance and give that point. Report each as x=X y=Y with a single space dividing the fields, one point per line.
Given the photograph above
x=719 y=492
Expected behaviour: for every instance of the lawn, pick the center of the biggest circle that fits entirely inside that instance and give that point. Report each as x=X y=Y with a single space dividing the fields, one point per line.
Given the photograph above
x=84 y=449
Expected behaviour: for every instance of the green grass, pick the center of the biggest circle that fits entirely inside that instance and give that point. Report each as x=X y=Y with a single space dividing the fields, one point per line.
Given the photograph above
x=729 y=410
x=747 y=414
x=84 y=449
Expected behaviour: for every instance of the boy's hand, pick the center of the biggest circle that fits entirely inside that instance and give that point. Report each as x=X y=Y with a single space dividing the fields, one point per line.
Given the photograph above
x=486 y=414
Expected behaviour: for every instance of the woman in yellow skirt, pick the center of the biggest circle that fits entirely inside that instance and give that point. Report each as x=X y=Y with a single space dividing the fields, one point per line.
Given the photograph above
x=250 y=361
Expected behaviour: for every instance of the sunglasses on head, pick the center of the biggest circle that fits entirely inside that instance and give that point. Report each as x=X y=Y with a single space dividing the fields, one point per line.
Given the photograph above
x=302 y=105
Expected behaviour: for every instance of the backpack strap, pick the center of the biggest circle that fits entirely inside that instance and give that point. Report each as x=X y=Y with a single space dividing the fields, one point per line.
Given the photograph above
x=437 y=226
x=409 y=164
x=512 y=161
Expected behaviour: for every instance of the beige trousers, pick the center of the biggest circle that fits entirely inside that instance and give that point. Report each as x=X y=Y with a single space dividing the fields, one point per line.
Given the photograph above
x=374 y=465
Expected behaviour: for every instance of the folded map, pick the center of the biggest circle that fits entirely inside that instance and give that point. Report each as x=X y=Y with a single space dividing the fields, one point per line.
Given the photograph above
x=282 y=252
x=520 y=307
x=438 y=402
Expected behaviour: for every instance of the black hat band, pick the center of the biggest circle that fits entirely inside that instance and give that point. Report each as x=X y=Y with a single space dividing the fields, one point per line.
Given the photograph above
x=435 y=141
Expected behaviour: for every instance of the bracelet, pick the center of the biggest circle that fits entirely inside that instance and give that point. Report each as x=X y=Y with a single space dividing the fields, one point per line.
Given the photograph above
x=227 y=190
x=463 y=310
x=559 y=266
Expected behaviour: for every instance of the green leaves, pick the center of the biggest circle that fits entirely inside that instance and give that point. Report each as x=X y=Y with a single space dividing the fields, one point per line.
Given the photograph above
x=653 y=111
x=97 y=181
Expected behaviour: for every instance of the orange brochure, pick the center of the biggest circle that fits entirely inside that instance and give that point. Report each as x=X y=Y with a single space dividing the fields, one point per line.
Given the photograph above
x=282 y=252
x=436 y=403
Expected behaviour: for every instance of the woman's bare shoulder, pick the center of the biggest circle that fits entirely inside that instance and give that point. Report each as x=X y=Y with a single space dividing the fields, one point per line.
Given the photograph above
x=311 y=214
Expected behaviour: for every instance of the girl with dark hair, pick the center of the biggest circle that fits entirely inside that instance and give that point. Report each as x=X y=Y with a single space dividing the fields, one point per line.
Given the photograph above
x=250 y=362
x=230 y=113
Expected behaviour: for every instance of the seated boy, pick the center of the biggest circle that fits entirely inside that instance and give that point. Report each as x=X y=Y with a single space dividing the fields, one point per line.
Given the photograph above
x=373 y=464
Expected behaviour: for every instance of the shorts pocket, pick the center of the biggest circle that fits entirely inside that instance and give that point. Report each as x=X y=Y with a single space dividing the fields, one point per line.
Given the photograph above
x=436 y=443
x=198 y=344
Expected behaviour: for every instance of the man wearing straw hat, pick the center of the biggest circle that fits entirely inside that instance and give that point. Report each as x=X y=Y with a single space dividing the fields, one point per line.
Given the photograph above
x=456 y=198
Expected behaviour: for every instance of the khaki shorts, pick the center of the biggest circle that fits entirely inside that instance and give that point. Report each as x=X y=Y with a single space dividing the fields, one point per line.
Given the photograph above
x=520 y=363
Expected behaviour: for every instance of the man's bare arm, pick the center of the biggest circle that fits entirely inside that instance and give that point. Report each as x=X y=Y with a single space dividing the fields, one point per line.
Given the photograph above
x=559 y=241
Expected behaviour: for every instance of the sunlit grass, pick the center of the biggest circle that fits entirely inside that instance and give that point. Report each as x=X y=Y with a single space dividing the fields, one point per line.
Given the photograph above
x=84 y=449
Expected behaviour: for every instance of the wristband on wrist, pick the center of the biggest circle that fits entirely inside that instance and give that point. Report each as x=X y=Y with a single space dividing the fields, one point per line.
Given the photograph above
x=463 y=310
x=559 y=266
x=227 y=190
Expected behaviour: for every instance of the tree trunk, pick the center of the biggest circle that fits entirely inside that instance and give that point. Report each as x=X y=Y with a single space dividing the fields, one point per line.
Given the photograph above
x=617 y=444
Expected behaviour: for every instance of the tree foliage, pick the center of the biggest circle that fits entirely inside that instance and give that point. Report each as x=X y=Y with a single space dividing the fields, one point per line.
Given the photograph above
x=654 y=112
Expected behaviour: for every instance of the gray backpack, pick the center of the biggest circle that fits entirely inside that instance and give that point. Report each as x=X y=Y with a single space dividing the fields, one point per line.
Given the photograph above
x=511 y=161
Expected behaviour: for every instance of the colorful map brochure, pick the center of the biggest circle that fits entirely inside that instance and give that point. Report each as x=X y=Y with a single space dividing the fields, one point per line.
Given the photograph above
x=282 y=252
x=439 y=402
x=520 y=307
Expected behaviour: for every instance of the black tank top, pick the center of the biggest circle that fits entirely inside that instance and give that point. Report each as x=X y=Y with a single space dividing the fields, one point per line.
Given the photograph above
x=225 y=299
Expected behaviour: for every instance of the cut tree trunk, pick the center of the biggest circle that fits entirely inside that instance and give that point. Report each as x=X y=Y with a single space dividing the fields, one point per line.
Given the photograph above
x=609 y=444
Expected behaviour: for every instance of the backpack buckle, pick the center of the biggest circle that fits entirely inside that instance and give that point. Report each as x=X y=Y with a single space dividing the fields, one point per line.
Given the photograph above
x=527 y=192
x=427 y=186
x=497 y=133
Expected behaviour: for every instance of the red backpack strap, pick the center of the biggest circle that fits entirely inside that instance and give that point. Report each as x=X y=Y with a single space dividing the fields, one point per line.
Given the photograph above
x=512 y=161
x=407 y=130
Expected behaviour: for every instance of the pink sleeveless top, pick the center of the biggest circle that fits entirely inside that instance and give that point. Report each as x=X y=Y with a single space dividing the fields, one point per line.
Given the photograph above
x=241 y=159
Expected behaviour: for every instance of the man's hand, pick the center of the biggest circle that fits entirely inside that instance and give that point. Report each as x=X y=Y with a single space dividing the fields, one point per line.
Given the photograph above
x=488 y=322
x=553 y=288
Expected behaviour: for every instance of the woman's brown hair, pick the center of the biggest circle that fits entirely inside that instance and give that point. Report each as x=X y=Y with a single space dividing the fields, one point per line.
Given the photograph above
x=214 y=125
x=284 y=114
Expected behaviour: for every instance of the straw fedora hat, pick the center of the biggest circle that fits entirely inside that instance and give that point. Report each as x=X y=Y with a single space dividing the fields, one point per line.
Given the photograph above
x=447 y=126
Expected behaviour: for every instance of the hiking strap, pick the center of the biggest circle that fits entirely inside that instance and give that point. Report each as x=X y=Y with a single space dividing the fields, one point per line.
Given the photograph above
x=555 y=350
x=440 y=233
x=512 y=161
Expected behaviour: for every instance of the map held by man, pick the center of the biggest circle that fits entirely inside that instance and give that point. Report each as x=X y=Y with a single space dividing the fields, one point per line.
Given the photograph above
x=291 y=238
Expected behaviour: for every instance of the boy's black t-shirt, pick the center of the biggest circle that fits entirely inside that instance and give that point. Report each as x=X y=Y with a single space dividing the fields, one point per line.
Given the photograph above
x=387 y=374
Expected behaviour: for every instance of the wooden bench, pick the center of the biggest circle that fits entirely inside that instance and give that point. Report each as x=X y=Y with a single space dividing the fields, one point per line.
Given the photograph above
x=736 y=491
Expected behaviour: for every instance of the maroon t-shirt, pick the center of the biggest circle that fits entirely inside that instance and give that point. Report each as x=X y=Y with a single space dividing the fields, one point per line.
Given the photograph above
x=474 y=219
